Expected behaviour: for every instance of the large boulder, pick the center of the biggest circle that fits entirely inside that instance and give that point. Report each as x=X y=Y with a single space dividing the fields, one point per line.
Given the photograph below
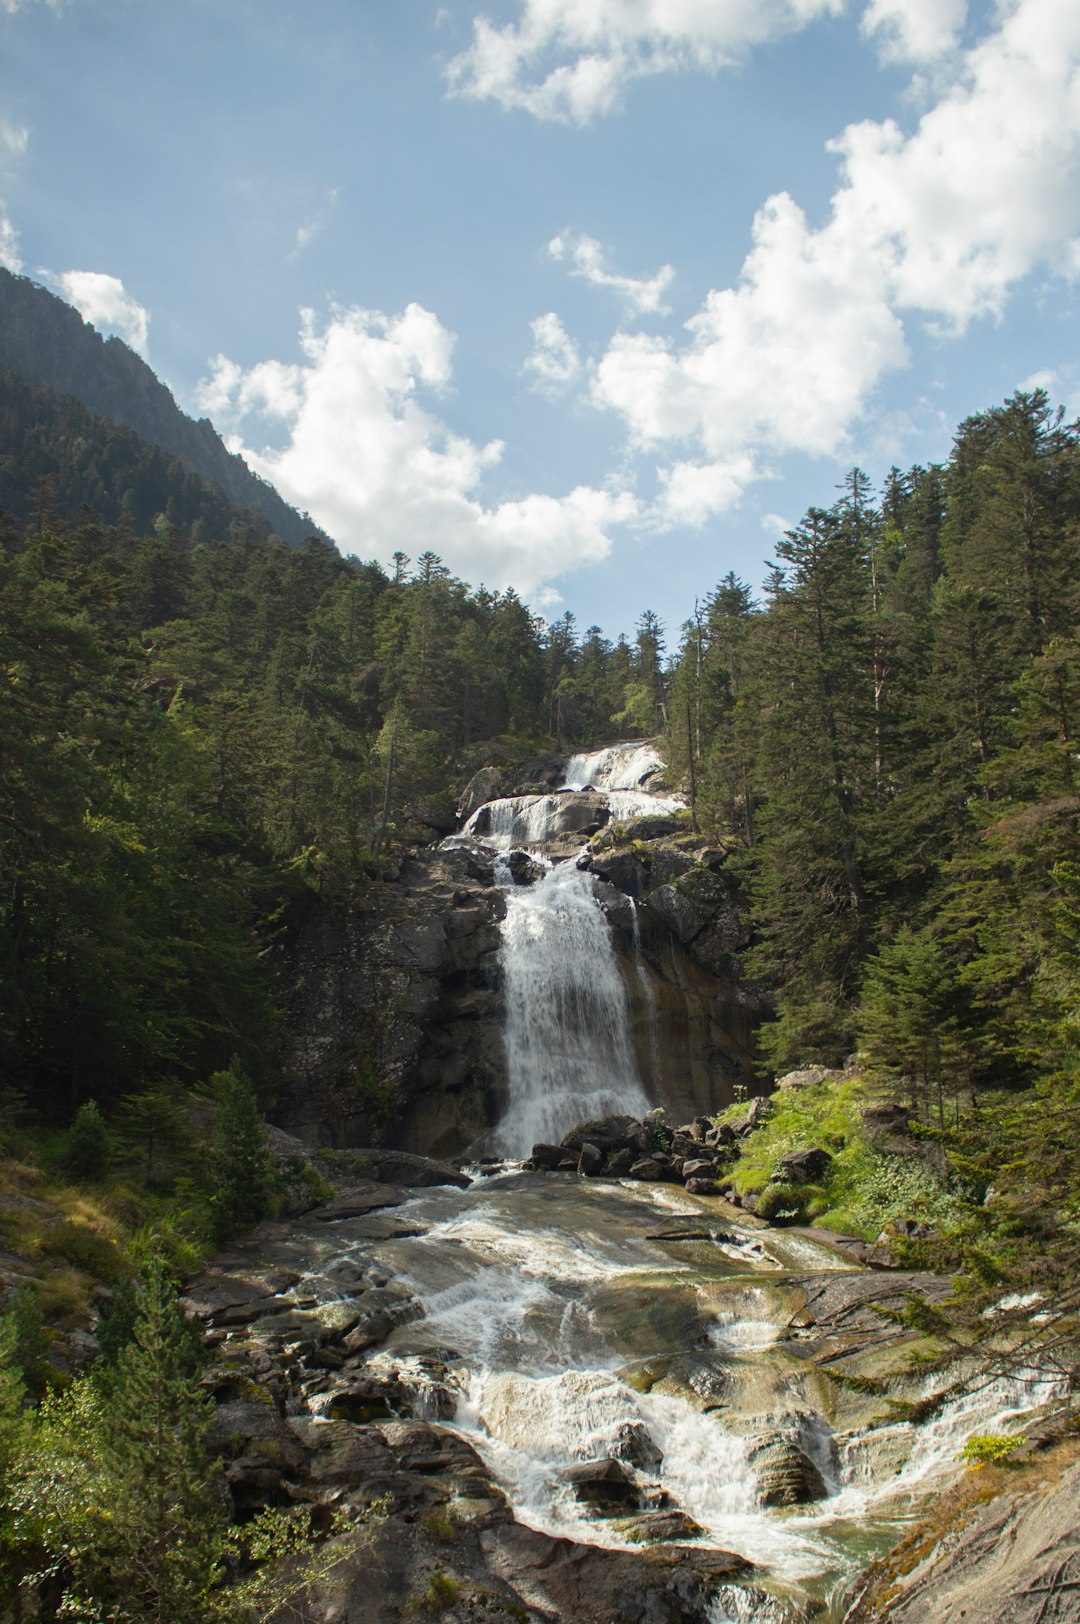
x=786 y=1476
x=559 y=1581
x=802 y=1166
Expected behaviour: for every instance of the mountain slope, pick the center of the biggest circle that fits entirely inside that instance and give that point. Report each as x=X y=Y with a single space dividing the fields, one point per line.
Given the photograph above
x=48 y=343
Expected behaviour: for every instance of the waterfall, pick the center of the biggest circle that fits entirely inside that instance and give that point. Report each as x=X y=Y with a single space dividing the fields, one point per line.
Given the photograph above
x=619 y=766
x=567 y=1033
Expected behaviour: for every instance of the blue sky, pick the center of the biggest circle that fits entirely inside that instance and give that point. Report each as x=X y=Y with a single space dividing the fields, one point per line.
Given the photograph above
x=592 y=297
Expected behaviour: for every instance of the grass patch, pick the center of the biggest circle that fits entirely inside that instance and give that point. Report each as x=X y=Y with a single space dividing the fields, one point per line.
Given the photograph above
x=863 y=1190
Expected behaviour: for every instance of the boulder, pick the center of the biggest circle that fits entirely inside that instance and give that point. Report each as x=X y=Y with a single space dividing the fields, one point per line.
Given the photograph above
x=696 y=1186
x=609 y=1133
x=659 y=1527
x=545 y=1158
x=363 y=1198
x=802 y=1166
x=620 y=1163
x=590 y=1161
x=804 y=1079
x=486 y=785
x=605 y=1484
x=558 y=1580
x=524 y=870
x=756 y=1113
x=786 y=1476
x=886 y=1119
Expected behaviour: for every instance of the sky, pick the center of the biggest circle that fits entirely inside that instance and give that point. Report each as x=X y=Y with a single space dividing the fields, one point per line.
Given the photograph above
x=593 y=298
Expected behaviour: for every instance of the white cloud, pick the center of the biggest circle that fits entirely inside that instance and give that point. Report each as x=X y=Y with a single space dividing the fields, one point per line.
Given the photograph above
x=555 y=361
x=640 y=295
x=692 y=492
x=914 y=30
x=12 y=6
x=381 y=472
x=774 y=524
x=568 y=60
x=14 y=138
x=10 y=257
x=939 y=225
x=105 y=302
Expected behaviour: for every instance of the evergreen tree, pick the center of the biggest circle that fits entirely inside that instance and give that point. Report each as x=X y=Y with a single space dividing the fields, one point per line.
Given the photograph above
x=241 y=1171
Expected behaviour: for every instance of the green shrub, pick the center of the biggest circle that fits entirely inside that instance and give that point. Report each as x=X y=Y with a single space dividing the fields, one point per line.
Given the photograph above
x=989 y=1449
x=785 y=1201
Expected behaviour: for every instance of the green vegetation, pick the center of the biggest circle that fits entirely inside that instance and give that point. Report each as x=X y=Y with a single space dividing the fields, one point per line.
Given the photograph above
x=863 y=1190
x=989 y=1449
x=109 y=1503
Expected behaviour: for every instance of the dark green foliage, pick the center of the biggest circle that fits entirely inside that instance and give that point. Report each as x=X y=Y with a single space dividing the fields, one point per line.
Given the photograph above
x=240 y=1169
x=86 y=1155
x=26 y=1342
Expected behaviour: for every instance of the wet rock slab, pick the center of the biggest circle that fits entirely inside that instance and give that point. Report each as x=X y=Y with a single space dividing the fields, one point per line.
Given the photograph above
x=559 y=1581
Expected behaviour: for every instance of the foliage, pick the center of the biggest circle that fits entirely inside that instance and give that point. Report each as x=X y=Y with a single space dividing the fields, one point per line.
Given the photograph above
x=863 y=1189
x=989 y=1449
x=240 y=1168
x=112 y=1484
x=86 y=1155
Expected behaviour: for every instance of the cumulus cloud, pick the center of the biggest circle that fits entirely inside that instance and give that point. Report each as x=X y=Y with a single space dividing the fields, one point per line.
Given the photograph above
x=555 y=361
x=382 y=472
x=105 y=302
x=914 y=30
x=569 y=60
x=936 y=226
x=640 y=295
x=12 y=6
x=10 y=257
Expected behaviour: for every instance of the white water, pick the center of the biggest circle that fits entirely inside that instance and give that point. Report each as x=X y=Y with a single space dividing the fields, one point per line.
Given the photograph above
x=619 y=766
x=568 y=1050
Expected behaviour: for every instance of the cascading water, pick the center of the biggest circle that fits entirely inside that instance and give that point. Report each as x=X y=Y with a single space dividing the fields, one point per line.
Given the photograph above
x=567 y=1032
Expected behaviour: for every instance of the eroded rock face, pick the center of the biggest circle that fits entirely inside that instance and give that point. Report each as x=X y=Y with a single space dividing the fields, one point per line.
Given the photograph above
x=397 y=1013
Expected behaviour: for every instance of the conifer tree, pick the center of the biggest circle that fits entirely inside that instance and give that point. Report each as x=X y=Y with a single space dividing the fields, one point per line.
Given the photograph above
x=241 y=1170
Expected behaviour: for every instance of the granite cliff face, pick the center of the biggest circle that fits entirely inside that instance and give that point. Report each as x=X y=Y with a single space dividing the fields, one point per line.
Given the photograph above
x=398 y=1009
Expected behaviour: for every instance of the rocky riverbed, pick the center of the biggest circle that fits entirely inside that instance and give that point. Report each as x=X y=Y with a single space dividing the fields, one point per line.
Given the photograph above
x=572 y=1398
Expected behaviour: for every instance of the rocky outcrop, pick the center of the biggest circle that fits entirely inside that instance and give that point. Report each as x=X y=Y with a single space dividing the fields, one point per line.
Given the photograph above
x=695 y=1015
x=1013 y=1560
x=395 y=1016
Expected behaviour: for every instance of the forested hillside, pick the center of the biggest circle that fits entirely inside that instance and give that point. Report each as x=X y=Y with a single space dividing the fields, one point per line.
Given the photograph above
x=49 y=345
x=891 y=738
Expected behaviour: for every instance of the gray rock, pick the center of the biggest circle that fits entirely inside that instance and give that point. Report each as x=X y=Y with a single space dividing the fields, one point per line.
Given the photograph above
x=486 y=785
x=356 y=1202
x=802 y=1166
x=785 y=1475
x=698 y=1186
x=590 y=1161
x=701 y=1167
x=558 y=1581
x=886 y=1119
x=1015 y=1560
x=804 y=1079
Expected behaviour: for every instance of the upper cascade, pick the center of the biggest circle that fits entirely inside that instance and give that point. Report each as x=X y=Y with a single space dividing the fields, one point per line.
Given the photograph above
x=612 y=784
x=617 y=766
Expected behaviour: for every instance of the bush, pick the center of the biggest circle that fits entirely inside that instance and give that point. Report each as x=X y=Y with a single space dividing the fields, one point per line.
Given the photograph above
x=781 y=1201
x=989 y=1449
